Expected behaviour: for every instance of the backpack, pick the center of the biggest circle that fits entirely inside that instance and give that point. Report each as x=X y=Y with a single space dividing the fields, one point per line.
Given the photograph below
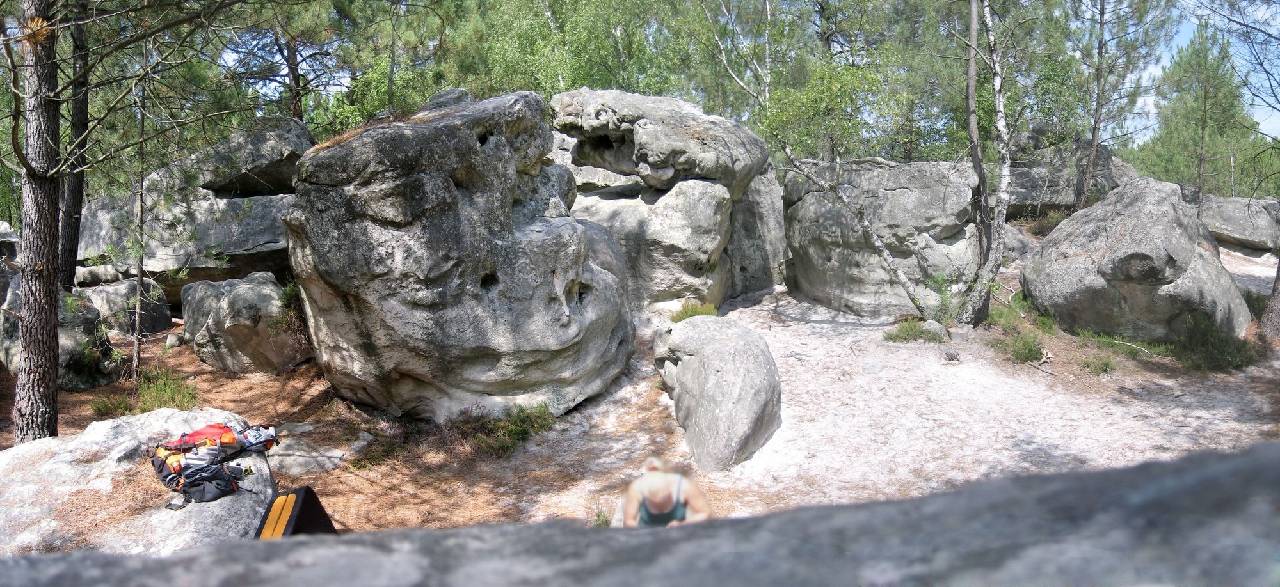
x=194 y=464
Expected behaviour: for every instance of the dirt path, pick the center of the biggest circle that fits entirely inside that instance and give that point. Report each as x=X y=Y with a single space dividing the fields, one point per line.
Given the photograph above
x=863 y=420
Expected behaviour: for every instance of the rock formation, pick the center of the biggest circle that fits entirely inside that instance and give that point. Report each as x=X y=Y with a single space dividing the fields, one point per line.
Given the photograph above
x=440 y=268
x=81 y=491
x=85 y=357
x=213 y=215
x=1208 y=519
x=922 y=211
x=1043 y=178
x=1247 y=222
x=115 y=303
x=1138 y=264
x=690 y=196
x=243 y=325
x=725 y=386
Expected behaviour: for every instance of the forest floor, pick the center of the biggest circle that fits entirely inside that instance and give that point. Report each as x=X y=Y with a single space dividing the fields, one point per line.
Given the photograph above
x=863 y=419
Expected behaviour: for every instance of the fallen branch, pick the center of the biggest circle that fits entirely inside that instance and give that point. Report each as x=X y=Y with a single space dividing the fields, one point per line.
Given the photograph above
x=1133 y=345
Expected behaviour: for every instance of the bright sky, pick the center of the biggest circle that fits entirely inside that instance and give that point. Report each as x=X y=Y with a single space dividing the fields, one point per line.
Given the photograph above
x=1268 y=120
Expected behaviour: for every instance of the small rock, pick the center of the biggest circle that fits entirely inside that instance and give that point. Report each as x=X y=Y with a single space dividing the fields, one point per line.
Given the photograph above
x=935 y=328
x=173 y=341
x=952 y=356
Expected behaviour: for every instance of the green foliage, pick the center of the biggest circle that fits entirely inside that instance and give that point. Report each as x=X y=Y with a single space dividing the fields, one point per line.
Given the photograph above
x=1045 y=324
x=945 y=312
x=1023 y=347
x=1257 y=302
x=692 y=308
x=163 y=388
x=1129 y=348
x=500 y=436
x=601 y=518
x=1004 y=317
x=1098 y=364
x=111 y=406
x=1205 y=347
x=911 y=330
x=1045 y=224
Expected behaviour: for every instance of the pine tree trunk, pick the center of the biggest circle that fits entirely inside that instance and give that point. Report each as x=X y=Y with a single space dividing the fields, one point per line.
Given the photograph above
x=73 y=197
x=1084 y=176
x=139 y=218
x=35 y=407
x=295 y=76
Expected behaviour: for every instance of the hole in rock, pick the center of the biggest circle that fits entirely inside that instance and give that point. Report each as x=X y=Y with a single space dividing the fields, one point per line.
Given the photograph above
x=483 y=137
x=489 y=281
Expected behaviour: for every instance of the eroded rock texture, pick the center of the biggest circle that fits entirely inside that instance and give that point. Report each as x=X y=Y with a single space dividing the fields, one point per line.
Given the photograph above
x=213 y=215
x=922 y=211
x=690 y=196
x=1138 y=264
x=1247 y=222
x=243 y=325
x=441 y=269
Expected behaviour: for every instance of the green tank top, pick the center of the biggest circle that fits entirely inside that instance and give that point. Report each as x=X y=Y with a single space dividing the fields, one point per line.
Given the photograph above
x=648 y=519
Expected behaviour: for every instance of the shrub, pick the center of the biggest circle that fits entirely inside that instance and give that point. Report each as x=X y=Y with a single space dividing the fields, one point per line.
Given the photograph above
x=1098 y=364
x=1024 y=347
x=1045 y=224
x=911 y=330
x=692 y=308
x=1257 y=302
x=111 y=406
x=945 y=313
x=1045 y=324
x=1205 y=347
x=1005 y=318
x=162 y=388
x=500 y=436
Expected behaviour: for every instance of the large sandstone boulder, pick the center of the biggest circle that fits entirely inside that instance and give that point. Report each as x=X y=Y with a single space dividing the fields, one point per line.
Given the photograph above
x=922 y=211
x=244 y=325
x=95 y=490
x=440 y=268
x=115 y=303
x=1139 y=264
x=85 y=356
x=1044 y=178
x=725 y=386
x=1207 y=519
x=1247 y=222
x=690 y=196
x=213 y=215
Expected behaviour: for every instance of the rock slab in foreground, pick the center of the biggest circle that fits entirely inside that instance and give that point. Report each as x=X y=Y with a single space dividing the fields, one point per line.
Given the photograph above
x=724 y=382
x=54 y=485
x=440 y=267
x=243 y=325
x=1138 y=264
x=1203 y=520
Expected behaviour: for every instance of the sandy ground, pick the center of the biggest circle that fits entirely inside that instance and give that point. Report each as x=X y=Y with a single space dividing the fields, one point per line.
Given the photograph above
x=863 y=420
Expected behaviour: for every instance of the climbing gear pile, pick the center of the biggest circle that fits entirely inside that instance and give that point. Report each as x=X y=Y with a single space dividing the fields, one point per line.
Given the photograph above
x=194 y=465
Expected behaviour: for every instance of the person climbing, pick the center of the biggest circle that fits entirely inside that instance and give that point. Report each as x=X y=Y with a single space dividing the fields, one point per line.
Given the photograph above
x=660 y=498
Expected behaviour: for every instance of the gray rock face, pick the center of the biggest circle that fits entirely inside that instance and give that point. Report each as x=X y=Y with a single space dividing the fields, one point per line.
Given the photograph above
x=447 y=98
x=1138 y=264
x=440 y=268
x=216 y=214
x=50 y=482
x=668 y=180
x=85 y=358
x=115 y=303
x=923 y=213
x=8 y=241
x=243 y=325
x=1017 y=243
x=1250 y=223
x=295 y=454
x=725 y=386
x=1204 y=520
x=1045 y=178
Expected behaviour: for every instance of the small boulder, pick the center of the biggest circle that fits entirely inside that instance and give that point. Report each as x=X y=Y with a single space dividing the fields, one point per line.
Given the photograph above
x=935 y=330
x=1247 y=222
x=94 y=490
x=724 y=382
x=85 y=356
x=1139 y=264
x=115 y=302
x=1017 y=243
x=243 y=325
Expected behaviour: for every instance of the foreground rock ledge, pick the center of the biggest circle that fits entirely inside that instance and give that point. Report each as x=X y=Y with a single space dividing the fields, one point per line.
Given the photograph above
x=1204 y=520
